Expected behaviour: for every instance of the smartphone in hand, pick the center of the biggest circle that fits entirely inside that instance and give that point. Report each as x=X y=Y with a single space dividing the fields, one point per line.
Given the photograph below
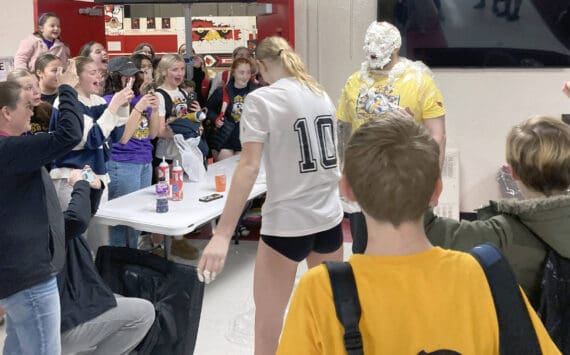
x=130 y=82
x=88 y=175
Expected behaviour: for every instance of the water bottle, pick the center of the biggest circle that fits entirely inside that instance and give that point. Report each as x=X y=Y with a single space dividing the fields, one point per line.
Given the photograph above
x=161 y=190
x=197 y=116
x=177 y=183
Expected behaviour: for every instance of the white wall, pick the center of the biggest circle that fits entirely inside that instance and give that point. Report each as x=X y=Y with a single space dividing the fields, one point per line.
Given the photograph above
x=17 y=22
x=482 y=105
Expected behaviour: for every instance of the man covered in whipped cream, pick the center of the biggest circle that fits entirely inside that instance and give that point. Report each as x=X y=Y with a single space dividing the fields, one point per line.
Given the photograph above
x=384 y=83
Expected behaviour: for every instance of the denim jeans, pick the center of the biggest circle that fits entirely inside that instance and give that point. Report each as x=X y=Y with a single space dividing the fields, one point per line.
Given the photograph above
x=33 y=320
x=126 y=178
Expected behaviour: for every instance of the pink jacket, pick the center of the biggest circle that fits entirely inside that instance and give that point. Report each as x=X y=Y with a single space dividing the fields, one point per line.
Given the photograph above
x=33 y=46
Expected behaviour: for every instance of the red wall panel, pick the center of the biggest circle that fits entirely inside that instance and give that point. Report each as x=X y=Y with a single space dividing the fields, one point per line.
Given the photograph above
x=76 y=28
x=281 y=22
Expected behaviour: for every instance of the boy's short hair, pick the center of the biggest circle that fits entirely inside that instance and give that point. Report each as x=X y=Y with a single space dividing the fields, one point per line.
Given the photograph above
x=392 y=165
x=538 y=151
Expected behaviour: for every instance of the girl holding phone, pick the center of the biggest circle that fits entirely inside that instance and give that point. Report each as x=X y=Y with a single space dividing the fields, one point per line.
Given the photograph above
x=130 y=165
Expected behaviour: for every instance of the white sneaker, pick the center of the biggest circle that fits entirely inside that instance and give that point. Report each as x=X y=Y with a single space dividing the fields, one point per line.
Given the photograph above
x=243 y=231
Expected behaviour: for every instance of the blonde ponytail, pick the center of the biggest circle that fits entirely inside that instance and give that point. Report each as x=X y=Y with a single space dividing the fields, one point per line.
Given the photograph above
x=276 y=48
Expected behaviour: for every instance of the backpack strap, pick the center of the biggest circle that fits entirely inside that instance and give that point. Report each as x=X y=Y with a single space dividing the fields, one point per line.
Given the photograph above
x=225 y=104
x=226 y=77
x=225 y=100
x=346 y=303
x=167 y=103
x=516 y=331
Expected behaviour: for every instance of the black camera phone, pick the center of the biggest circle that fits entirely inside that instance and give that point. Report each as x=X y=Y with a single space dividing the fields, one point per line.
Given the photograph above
x=210 y=197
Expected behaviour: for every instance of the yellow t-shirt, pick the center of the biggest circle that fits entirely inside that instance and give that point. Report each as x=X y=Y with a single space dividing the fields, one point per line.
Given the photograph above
x=413 y=89
x=435 y=300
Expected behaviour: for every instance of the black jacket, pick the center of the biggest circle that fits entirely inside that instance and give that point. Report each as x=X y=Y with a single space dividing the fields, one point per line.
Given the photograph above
x=83 y=294
x=31 y=221
x=198 y=77
x=215 y=101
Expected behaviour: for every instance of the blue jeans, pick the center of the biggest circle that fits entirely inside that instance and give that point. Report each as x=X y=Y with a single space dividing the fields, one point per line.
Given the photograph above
x=33 y=320
x=126 y=178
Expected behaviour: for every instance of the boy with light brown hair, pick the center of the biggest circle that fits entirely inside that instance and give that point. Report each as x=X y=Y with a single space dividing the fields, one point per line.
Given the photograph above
x=415 y=298
x=538 y=153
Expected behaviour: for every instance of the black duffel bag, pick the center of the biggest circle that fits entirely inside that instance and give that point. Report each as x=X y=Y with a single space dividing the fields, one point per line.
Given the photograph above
x=173 y=289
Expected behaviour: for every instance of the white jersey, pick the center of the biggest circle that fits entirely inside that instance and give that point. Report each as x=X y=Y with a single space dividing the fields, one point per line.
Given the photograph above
x=298 y=130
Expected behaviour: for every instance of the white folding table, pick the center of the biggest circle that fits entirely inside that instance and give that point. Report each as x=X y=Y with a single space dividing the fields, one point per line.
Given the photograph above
x=138 y=209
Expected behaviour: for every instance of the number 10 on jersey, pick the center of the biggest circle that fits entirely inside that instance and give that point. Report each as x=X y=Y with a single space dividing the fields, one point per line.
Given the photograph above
x=324 y=128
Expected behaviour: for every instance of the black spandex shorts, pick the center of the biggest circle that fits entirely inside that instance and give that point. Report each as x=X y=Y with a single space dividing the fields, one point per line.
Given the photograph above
x=298 y=248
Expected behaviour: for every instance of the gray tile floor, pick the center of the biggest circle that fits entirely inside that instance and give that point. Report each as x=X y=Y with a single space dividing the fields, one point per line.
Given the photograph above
x=226 y=325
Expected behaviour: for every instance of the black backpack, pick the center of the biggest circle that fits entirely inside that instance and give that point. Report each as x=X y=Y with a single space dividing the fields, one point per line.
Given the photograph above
x=516 y=332
x=554 y=306
x=554 y=309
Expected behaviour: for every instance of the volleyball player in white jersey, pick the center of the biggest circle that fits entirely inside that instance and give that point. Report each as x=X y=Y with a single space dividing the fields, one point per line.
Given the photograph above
x=292 y=122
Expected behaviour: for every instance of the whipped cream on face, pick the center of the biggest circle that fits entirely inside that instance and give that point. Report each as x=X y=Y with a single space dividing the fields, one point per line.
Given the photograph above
x=380 y=41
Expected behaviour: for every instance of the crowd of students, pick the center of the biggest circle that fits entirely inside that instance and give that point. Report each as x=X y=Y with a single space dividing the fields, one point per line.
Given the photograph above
x=92 y=124
x=96 y=123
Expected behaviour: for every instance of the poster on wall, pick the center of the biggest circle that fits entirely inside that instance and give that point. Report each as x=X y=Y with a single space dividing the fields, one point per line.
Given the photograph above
x=113 y=19
x=166 y=23
x=150 y=23
x=6 y=66
x=135 y=23
x=216 y=37
x=213 y=37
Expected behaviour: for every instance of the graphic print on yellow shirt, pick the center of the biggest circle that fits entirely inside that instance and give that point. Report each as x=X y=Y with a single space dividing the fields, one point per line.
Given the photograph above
x=412 y=88
x=142 y=130
x=237 y=107
x=376 y=101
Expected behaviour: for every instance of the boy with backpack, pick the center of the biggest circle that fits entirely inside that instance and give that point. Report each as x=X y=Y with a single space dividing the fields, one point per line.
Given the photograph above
x=533 y=232
x=414 y=298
